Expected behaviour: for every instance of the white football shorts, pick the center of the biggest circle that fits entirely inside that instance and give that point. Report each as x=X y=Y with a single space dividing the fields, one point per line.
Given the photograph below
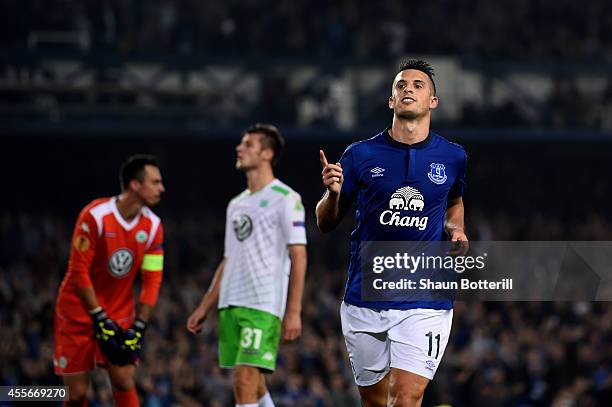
x=377 y=340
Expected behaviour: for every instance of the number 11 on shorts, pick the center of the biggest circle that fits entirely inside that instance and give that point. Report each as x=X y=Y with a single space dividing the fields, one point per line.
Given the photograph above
x=430 y=336
x=251 y=338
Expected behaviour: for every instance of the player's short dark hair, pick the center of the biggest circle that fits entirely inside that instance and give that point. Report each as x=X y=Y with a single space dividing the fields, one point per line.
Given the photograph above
x=419 y=65
x=271 y=138
x=134 y=168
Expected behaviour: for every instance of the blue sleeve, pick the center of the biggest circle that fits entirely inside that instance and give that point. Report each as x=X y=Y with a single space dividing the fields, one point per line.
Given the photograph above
x=456 y=190
x=350 y=186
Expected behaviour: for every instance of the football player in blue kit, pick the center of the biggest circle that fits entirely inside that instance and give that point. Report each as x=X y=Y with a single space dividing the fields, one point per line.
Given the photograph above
x=407 y=185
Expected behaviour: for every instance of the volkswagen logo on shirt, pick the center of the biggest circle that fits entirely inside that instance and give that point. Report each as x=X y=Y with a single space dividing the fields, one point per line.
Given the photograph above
x=243 y=226
x=120 y=262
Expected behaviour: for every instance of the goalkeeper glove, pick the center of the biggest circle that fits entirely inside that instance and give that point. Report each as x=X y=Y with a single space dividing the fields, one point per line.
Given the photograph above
x=109 y=336
x=133 y=340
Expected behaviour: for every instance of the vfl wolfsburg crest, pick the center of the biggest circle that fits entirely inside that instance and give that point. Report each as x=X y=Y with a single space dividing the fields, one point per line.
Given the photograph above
x=437 y=173
x=121 y=262
x=243 y=226
x=141 y=236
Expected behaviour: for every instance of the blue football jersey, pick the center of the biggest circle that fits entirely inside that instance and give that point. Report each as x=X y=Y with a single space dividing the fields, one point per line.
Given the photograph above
x=401 y=193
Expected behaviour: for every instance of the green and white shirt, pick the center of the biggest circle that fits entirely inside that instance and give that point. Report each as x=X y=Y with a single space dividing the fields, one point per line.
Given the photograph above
x=258 y=228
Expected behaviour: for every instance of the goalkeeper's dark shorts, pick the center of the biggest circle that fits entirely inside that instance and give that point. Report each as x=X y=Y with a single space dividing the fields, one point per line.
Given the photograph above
x=76 y=349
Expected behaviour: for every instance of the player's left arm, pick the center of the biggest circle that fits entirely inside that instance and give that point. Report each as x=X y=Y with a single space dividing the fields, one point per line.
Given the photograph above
x=151 y=271
x=454 y=219
x=454 y=225
x=294 y=229
x=454 y=222
x=292 y=321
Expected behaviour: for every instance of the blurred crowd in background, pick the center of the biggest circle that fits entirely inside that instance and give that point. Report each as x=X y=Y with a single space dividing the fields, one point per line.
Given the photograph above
x=565 y=42
x=500 y=353
x=391 y=28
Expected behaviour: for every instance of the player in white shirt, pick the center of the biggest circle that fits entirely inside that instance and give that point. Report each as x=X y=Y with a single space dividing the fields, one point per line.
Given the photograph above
x=260 y=280
x=259 y=226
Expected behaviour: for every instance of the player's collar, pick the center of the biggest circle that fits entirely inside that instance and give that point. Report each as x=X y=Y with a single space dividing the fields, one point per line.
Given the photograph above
x=270 y=184
x=421 y=144
x=126 y=225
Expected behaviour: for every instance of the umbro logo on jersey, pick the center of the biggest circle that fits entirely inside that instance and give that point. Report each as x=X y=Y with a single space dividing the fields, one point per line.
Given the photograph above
x=377 y=172
x=121 y=262
x=405 y=199
x=437 y=173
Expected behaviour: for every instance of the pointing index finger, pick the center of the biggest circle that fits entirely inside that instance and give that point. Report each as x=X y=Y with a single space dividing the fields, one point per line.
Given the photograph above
x=322 y=158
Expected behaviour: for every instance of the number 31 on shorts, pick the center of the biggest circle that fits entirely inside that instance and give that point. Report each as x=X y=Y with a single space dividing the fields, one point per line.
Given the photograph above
x=250 y=338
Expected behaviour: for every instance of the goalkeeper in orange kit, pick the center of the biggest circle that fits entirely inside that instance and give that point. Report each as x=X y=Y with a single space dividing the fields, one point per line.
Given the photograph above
x=96 y=321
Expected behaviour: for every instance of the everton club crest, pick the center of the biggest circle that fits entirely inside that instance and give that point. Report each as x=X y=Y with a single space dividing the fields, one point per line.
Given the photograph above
x=437 y=173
